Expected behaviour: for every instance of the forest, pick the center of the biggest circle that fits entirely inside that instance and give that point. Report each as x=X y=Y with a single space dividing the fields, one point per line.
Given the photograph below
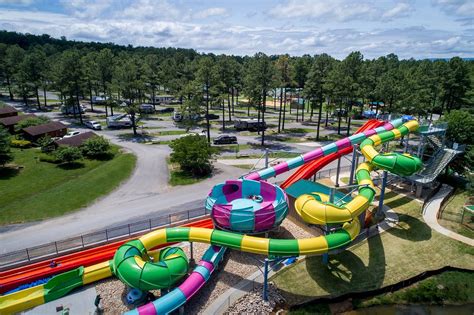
x=31 y=65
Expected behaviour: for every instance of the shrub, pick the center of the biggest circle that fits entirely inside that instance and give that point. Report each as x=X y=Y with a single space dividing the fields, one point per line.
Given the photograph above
x=22 y=144
x=193 y=154
x=32 y=121
x=5 y=153
x=68 y=154
x=46 y=143
x=95 y=147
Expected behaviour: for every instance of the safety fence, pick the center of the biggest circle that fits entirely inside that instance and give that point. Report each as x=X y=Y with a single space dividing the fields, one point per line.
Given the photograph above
x=89 y=240
x=93 y=239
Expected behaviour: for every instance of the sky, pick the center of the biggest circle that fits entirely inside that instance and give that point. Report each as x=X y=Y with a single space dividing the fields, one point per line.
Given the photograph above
x=408 y=28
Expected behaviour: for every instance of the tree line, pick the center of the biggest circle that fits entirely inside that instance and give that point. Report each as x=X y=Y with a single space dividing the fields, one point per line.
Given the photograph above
x=30 y=66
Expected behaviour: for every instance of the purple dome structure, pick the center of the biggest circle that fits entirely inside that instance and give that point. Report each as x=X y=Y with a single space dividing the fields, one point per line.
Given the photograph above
x=247 y=206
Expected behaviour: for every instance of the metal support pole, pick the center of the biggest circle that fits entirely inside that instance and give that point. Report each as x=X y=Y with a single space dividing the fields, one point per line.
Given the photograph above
x=338 y=171
x=266 y=158
x=191 y=247
x=332 y=192
x=407 y=139
x=354 y=153
x=265 y=281
x=326 y=255
x=382 y=193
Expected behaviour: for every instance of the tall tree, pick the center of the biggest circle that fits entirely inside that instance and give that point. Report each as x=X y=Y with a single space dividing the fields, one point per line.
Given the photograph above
x=207 y=77
x=283 y=77
x=351 y=68
x=262 y=70
x=316 y=85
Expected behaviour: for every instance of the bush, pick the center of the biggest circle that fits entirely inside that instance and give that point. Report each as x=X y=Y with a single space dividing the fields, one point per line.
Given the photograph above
x=5 y=153
x=46 y=144
x=193 y=154
x=95 y=147
x=22 y=144
x=68 y=154
x=30 y=122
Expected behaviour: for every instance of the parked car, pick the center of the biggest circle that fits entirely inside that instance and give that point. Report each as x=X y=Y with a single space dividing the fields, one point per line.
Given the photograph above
x=93 y=125
x=177 y=117
x=340 y=112
x=119 y=121
x=211 y=116
x=102 y=99
x=250 y=125
x=71 y=110
x=225 y=139
x=147 y=109
x=71 y=134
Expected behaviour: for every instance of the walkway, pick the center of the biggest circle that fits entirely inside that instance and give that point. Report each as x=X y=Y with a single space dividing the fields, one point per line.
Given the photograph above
x=430 y=215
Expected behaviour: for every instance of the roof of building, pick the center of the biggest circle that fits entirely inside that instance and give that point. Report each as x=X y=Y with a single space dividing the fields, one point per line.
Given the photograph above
x=13 y=120
x=8 y=110
x=76 y=140
x=45 y=128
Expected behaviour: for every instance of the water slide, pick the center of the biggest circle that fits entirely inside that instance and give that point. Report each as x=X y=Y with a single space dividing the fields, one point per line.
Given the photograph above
x=306 y=171
x=232 y=201
x=78 y=268
x=133 y=262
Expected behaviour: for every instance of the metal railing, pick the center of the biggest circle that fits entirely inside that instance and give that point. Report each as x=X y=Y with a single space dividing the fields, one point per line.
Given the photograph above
x=89 y=240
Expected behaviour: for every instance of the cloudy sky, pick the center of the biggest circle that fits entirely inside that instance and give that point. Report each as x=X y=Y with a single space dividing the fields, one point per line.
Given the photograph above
x=409 y=28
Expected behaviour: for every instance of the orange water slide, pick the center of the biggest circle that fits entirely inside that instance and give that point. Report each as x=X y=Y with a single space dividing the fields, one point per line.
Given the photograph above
x=306 y=171
x=15 y=277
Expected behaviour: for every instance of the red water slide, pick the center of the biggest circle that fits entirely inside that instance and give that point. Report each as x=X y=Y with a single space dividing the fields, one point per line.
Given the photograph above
x=306 y=171
x=13 y=278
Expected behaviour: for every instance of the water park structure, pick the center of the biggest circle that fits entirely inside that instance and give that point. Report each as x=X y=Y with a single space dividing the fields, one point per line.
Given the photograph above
x=242 y=210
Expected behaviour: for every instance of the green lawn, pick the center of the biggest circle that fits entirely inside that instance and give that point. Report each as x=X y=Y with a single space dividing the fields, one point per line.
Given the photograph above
x=452 y=213
x=179 y=177
x=168 y=133
x=41 y=190
x=450 y=287
x=400 y=253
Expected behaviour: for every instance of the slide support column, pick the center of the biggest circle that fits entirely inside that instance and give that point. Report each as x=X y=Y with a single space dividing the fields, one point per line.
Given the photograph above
x=351 y=177
x=265 y=280
x=382 y=193
x=338 y=171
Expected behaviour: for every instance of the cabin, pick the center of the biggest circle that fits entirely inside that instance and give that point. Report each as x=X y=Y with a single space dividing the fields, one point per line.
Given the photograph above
x=75 y=141
x=52 y=129
x=10 y=122
x=8 y=111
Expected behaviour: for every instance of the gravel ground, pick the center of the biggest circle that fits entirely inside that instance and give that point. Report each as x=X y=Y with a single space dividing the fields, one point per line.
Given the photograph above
x=252 y=302
x=235 y=267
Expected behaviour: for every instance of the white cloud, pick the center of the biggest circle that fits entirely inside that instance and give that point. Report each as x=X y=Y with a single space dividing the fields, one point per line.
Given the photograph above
x=142 y=10
x=87 y=8
x=399 y=10
x=460 y=8
x=219 y=37
x=339 y=10
x=211 y=12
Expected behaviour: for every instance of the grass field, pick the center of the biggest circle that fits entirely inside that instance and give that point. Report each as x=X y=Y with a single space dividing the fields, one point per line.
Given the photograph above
x=178 y=177
x=402 y=252
x=450 y=287
x=41 y=190
x=452 y=212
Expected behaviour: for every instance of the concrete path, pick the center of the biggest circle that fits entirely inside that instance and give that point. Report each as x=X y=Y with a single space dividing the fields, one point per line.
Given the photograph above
x=430 y=215
x=78 y=302
x=118 y=208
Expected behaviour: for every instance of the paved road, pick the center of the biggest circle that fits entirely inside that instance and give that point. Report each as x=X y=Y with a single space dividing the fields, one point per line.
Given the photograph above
x=119 y=207
x=144 y=195
x=430 y=215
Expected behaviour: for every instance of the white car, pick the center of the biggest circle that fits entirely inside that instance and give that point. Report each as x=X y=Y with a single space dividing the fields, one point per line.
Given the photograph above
x=71 y=134
x=92 y=124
